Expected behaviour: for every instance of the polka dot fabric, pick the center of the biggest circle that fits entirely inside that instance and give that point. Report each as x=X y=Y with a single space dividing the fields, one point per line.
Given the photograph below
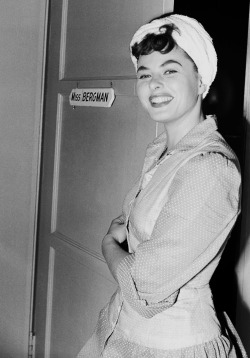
x=119 y=346
x=188 y=234
x=180 y=214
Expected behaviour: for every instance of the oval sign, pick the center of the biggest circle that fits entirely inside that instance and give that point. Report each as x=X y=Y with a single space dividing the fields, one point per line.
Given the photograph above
x=92 y=97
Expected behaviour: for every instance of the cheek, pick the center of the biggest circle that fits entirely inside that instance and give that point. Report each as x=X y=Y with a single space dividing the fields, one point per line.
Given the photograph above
x=194 y=85
x=194 y=90
x=142 y=93
x=189 y=89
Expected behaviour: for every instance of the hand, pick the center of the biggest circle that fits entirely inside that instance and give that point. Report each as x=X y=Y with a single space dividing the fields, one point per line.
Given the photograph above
x=111 y=248
x=117 y=229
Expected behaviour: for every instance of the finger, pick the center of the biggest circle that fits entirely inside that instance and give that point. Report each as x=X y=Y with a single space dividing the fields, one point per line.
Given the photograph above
x=120 y=219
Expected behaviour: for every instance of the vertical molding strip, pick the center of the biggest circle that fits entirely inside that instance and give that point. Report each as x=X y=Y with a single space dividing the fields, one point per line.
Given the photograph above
x=243 y=266
x=247 y=79
x=49 y=306
x=36 y=165
x=56 y=162
x=167 y=6
x=63 y=39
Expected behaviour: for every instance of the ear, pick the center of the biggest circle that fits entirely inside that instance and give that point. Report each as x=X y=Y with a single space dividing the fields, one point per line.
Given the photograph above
x=201 y=86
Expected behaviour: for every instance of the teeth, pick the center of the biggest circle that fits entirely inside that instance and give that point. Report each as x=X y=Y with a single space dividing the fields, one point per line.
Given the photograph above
x=160 y=99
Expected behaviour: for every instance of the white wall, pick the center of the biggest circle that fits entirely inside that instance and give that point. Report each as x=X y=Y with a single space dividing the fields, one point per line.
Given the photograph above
x=21 y=66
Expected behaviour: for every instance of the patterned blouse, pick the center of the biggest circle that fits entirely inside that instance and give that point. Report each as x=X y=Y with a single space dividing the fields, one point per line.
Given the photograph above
x=179 y=216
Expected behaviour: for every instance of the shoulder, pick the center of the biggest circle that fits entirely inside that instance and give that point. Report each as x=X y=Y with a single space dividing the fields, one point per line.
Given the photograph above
x=216 y=143
x=215 y=164
x=209 y=177
x=216 y=154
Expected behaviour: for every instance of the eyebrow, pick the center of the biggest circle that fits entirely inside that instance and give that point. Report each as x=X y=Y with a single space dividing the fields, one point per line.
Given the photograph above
x=142 y=68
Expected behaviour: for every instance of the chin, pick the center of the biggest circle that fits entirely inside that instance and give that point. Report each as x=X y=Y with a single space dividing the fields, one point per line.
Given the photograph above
x=158 y=118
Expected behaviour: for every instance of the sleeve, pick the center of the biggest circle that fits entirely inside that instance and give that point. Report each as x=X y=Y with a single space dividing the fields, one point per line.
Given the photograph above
x=200 y=211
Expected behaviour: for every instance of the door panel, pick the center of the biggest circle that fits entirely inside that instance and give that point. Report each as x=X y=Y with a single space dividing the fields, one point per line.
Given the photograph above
x=82 y=277
x=98 y=36
x=100 y=157
x=91 y=157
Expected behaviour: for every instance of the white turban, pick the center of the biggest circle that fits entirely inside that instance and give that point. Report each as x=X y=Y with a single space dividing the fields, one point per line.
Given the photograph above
x=191 y=37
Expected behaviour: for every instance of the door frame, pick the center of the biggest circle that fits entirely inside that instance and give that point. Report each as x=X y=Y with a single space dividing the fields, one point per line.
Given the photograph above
x=43 y=41
x=245 y=226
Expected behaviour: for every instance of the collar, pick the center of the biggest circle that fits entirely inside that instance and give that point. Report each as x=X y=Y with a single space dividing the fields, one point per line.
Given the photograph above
x=191 y=140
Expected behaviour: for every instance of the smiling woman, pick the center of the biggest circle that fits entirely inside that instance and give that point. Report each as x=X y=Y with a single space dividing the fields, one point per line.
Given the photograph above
x=177 y=218
x=170 y=89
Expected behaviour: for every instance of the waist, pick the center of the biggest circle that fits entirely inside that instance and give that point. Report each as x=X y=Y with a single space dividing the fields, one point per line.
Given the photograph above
x=190 y=321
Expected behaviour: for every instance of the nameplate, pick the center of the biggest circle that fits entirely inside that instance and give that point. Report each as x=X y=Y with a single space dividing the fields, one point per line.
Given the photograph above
x=92 y=97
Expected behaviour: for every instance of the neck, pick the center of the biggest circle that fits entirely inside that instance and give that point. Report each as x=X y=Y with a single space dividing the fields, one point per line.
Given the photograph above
x=178 y=129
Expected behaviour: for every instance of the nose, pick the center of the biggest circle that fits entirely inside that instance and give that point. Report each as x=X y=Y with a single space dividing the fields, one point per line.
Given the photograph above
x=155 y=82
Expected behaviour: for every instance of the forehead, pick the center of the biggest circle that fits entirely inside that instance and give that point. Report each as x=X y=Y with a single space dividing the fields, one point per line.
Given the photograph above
x=157 y=59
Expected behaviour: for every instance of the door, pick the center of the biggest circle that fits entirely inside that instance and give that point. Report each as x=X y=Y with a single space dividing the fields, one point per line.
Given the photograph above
x=91 y=156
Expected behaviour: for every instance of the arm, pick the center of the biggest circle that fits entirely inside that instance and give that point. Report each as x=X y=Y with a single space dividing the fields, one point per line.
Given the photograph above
x=111 y=248
x=201 y=209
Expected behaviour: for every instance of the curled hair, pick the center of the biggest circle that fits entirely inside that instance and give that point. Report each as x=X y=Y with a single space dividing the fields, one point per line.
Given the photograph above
x=162 y=42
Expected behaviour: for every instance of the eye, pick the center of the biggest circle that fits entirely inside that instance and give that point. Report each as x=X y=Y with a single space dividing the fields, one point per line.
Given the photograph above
x=143 y=76
x=169 y=72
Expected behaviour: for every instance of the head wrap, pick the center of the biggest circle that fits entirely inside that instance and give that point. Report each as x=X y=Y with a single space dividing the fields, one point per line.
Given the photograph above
x=190 y=36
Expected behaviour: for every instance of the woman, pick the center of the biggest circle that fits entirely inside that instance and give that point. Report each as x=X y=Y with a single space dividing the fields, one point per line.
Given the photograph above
x=178 y=216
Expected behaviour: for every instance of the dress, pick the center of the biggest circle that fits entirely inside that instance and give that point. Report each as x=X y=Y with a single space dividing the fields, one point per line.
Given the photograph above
x=179 y=216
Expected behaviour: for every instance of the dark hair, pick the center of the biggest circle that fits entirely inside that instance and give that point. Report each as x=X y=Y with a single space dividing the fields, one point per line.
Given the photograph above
x=162 y=42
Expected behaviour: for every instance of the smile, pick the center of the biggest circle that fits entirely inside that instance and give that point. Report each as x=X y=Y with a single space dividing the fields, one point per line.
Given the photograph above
x=159 y=100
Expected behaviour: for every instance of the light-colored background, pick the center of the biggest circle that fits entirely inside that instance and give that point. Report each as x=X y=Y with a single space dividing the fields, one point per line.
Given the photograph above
x=22 y=26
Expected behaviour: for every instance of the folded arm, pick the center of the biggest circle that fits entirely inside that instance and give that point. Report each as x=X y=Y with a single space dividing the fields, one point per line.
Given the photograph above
x=111 y=245
x=201 y=208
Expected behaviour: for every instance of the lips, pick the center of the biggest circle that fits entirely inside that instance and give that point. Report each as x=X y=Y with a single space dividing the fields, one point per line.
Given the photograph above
x=160 y=100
